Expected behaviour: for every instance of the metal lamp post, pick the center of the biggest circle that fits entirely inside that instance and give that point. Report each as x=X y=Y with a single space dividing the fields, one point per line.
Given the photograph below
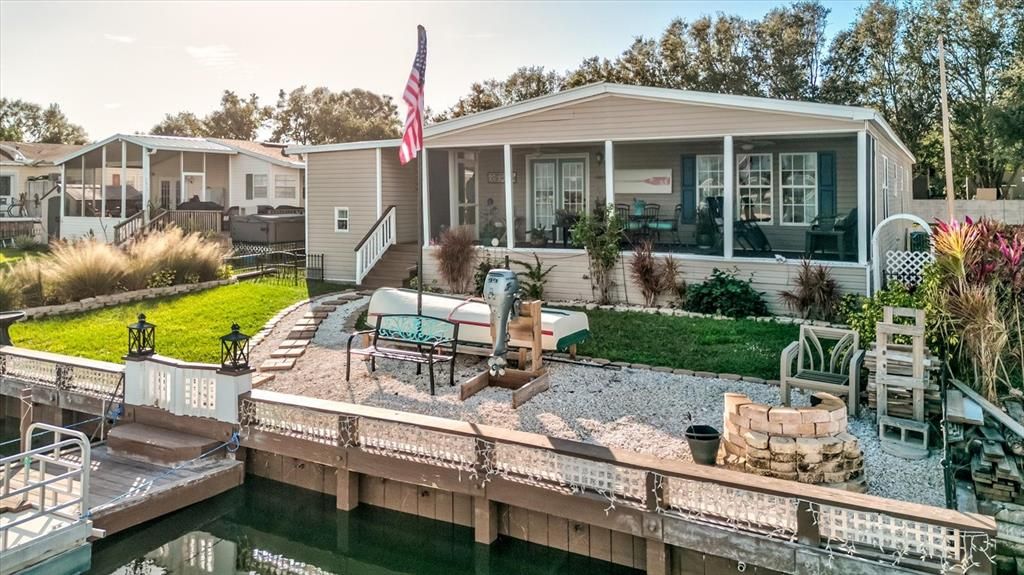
x=141 y=338
x=234 y=350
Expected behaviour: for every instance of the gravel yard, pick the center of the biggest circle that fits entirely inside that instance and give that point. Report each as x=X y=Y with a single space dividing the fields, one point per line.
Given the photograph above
x=641 y=410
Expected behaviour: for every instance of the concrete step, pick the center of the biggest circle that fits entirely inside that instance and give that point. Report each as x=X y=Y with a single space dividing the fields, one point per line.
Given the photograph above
x=141 y=442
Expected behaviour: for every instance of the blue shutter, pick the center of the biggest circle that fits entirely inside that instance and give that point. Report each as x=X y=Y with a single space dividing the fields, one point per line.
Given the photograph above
x=689 y=189
x=827 y=184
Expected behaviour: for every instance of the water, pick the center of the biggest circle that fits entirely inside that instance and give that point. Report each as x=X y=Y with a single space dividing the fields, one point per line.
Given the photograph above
x=265 y=527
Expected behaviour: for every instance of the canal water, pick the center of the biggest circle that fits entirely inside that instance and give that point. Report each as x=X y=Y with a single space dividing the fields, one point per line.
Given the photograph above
x=269 y=527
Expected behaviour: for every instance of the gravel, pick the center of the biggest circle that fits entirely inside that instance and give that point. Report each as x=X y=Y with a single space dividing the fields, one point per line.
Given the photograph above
x=640 y=410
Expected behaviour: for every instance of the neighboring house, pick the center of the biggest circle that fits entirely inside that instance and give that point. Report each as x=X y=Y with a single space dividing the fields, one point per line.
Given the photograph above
x=797 y=177
x=28 y=179
x=165 y=171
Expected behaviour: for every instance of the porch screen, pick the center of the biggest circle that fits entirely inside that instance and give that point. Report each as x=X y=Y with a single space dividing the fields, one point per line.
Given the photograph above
x=827 y=184
x=557 y=185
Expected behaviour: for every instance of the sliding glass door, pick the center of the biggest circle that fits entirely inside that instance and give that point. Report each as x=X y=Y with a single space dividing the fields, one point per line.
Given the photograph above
x=557 y=184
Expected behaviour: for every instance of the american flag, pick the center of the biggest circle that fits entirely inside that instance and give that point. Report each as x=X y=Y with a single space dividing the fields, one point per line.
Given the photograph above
x=412 y=139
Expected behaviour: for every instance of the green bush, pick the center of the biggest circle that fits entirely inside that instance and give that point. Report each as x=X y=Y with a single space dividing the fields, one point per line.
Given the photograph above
x=10 y=292
x=725 y=294
x=862 y=314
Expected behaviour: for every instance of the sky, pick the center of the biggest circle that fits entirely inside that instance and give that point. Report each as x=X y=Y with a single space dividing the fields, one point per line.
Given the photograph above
x=118 y=67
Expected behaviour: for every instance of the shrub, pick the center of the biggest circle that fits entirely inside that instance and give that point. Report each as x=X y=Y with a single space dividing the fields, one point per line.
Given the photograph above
x=29 y=243
x=816 y=295
x=480 y=276
x=654 y=277
x=456 y=255
x=725 y=294
x=862 y=314
x=27 y=276
x=186 y=256
x=672 y=281
x=600 y=233
x=534 y=277
x=83 y=269
x=10 y=292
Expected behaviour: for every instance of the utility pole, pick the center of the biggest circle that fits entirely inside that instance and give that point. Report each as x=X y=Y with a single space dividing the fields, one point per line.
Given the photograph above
x=947 y=153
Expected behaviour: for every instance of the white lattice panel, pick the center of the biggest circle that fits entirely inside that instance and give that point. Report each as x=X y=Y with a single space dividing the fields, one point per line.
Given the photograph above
x=878 y=531
x=906 y=267
x=574 y=472
x=157 y=392
x=399 y=439
x=201 y=396
x=29 y=369
x=293 y=421
x=95 y=381
x=731 y=505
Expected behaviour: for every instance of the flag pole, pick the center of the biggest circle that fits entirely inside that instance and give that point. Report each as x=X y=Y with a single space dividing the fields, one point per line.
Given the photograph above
x=946 y=152
x=419 y=236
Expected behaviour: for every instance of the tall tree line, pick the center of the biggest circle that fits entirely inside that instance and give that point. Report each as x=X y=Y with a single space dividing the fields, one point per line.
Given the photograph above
x=885 y=60
x=22 y=121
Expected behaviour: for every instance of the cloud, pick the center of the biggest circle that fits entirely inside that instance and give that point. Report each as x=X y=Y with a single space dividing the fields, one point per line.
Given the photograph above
x=215 y=56
x=112 y=105
x=119 y=39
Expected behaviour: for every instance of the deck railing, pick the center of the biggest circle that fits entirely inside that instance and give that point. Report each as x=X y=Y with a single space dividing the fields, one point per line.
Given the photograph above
x=63 y=372
x=185 y=388
x=380 y=237
x=827 y=519
x=51 y=484
x=197 y=221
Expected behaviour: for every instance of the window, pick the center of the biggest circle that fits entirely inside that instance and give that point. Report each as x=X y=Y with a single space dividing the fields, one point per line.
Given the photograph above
x=115 y=180
x=754 y=187
x=285 y=185
x=341 y=219
x=255 y=186
x=6 y=185
x=165 y=194
x=799 y=184
x=710 y=177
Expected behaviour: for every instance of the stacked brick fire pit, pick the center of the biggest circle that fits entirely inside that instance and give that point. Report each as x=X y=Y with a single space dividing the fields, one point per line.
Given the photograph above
x=807 y=444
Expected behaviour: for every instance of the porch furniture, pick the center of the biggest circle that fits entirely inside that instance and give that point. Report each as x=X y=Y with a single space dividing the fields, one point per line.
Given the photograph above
x=827 y=359
x=647 y=217
x=667 y=225
x=750 y=236
x=435 y=340
x=828 y=229
x=901 y=369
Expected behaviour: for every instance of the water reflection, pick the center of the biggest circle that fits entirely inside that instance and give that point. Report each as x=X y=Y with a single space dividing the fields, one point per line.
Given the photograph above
x=268 y=527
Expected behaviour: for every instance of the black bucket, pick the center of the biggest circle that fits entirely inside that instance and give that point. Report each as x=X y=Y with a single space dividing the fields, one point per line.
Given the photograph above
x=703 y=441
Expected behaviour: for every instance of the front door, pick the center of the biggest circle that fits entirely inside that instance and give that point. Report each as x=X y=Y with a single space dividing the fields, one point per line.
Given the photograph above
x=557 y=185
x=195 y=186
x=467 y=209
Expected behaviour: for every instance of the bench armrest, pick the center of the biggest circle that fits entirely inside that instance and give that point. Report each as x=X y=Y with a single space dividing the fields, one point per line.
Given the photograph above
x=856 y=361
x=789 y=354
x=353 y=335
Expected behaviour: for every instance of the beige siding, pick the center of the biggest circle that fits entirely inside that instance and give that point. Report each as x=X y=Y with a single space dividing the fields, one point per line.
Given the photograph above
x=398 y=188
x=626 y=118
x=340 y=179
x=569 y=279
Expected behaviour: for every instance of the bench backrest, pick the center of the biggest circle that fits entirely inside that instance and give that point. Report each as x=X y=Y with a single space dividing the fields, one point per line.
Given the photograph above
x=826 y=349
x=415 y=329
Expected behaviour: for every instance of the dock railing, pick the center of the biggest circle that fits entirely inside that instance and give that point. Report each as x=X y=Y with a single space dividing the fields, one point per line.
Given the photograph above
x=63 y=372
x=830 y=520
x=185 y=388
x=45 y=480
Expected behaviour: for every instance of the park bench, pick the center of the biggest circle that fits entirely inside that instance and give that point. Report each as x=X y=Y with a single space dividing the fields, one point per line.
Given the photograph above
x=408 y=337
x=826 y=359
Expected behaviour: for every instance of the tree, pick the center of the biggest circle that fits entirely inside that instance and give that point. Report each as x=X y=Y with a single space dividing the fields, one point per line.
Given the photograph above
x=640 y=64
x=22 y=121
x=525 y=83
x=676 y=49
x=320 y=116
x=721 y=56
x=786 y=46
x=237 y=118
x=590 y=71
x=184 y=124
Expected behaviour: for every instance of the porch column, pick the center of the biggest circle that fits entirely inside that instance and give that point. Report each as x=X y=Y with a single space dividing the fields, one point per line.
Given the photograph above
x=862 y=196
x=145 y=185
x=124 y=178
x=81 y=202
x=510 y=215
x=103 y=182
x=181 y=183
x=203 y=189
x=63 y=184
x=380 y=185
x=728 y=211
x=609 y=173
x=425 y=199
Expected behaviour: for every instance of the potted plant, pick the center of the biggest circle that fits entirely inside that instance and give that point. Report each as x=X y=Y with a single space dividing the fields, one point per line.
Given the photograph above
x=707 y=229
x=538 y=237
x=566 y=219
x=703 y=441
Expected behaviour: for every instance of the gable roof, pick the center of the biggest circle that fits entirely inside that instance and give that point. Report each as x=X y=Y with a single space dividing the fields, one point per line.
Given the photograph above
x=268 y=151
x=814 y=109
x=34 y=154
x=152 y=141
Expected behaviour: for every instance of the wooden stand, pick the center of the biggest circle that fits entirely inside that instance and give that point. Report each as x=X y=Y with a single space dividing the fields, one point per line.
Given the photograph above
x=904 y=369
x=526 y=333
x=524 y=384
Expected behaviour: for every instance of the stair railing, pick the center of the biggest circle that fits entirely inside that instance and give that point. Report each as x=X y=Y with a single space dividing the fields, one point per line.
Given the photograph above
x=375 y=243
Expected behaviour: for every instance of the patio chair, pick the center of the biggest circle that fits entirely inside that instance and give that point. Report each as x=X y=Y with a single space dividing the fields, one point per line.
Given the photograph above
x=826 y=359
x=648 y=216
x=667 y=225
x=750 y=236
x=843 y=230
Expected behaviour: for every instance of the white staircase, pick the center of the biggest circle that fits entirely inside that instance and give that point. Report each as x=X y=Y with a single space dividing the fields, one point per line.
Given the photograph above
x=375 y=243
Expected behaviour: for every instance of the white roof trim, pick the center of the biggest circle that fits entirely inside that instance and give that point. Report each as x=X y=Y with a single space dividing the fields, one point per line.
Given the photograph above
x=283 y=162
x=135 y=140
x=343 y=147
x=850 y=113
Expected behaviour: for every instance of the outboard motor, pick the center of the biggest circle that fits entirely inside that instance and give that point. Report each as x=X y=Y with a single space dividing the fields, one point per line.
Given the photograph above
x=501 y=292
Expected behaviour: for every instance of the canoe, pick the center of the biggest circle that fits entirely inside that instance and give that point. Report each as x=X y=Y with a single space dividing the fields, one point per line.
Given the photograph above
x=560 y=328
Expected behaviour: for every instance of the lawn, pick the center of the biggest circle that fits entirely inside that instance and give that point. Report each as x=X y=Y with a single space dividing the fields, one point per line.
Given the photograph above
x=722 y=346
x=10 y=255
x=188 y=326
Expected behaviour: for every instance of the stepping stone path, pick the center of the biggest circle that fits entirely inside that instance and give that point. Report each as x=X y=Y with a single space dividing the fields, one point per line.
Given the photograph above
x=292 y=348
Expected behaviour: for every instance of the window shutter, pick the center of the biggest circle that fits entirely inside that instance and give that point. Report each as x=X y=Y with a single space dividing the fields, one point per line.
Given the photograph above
x=248 y=186
x=689 y=189
x=827 y=184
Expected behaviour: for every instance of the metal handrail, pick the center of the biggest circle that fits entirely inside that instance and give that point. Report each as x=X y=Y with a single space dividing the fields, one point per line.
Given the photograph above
x=22 y=463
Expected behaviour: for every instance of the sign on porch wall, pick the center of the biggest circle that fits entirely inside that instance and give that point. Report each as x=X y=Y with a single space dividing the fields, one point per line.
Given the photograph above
x=499 y=177
x=643 y=182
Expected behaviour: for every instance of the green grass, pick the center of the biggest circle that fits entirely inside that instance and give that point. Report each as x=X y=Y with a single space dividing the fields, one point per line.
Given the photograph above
x=189 y=326
x=10 y=255
x=722 y=346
